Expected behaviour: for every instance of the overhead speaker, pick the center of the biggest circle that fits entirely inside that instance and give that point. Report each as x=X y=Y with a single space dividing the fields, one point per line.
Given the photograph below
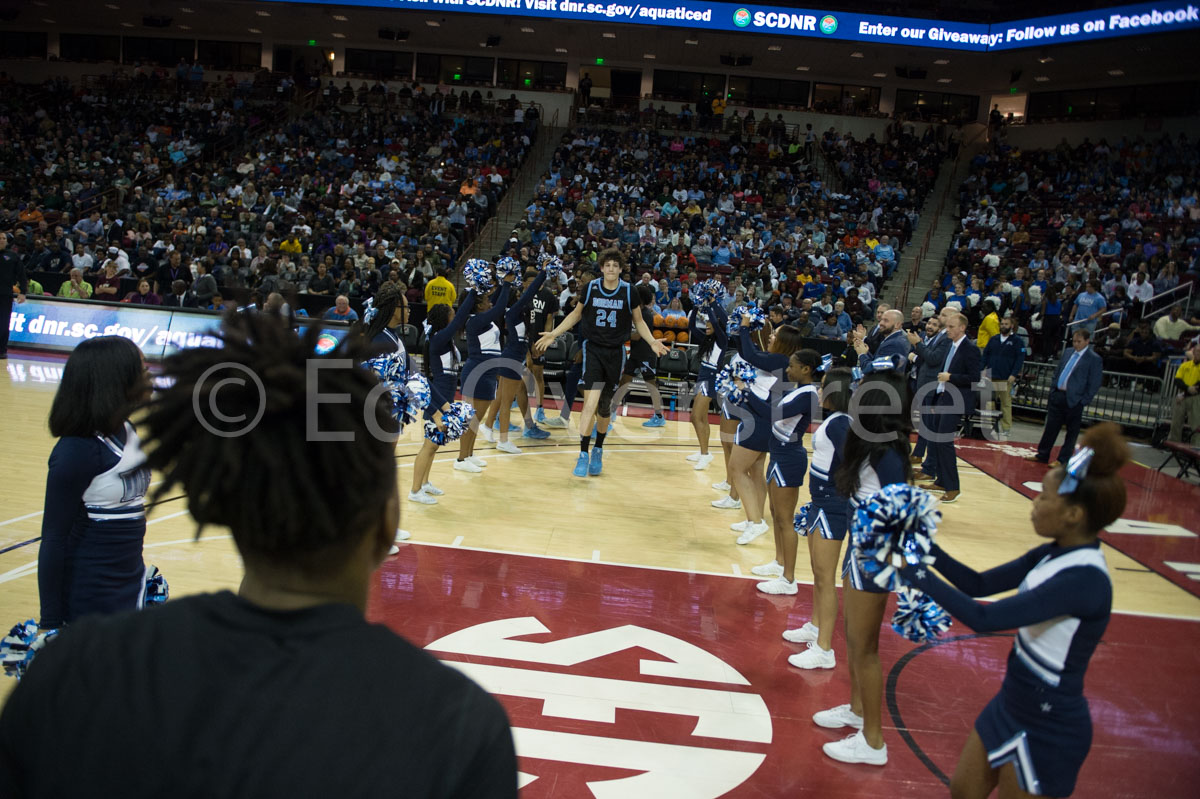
x=402 y=36
x=727 y=61
x=388 y=34
x=157 y=22
x=743 y=61
x=493 y=41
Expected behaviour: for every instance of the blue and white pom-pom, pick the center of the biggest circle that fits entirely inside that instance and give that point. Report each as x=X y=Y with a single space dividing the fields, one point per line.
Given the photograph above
x=892 y=528
x=369 y=311
x=18 y=648
x=758 y=318
x=801 y=523
x=455 y=421
x=552 y=265
x=708 y=291
x=157 y=591
x=826 y=363
x=409 y=394
x=737 y=370
x=477 y=273
x=918 y=618
x=508 y=266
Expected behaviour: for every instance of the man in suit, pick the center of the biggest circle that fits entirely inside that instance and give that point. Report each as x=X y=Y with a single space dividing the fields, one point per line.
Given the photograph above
x=1003 y=358
x=12 y=273
x=926 y=359
x=959 y=371
x=1076 y=381
x=892 y=341
x=876 y=335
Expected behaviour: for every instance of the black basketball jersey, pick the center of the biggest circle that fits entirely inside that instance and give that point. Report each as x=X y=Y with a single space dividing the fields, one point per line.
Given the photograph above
x=545 y=304
x=608 y=315
x=640 y=349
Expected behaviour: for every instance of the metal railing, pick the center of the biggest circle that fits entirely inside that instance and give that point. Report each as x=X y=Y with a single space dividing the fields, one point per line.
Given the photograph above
x=1134 y=400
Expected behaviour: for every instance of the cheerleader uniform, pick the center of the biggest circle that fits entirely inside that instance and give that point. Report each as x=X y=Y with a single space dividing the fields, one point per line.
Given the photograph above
x=789 y=423
x=93 y=528
x=710 y=348
x=871 y=480
x=755 y=433
x=444 y=359
x=829 y=512
x=1039 y=721
x=516 y=322
x=483 y=344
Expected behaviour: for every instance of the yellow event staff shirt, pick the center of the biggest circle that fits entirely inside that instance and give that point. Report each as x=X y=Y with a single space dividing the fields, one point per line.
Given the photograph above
x=439 y=291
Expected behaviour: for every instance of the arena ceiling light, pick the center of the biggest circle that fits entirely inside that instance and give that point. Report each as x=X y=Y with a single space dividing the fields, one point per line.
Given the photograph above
x=254 y=30
x=1041 y=79
x=1045 y=59
x=433 y=23
x=879 y=75
x=263 y=13
x=560 y=49
x=187 y=10
x=857 y=54
x=775 y=48
x=185 y=27
x=649 y=55
x=341 y=17
x=49 y=21
x=609 y=35
x=941 y=62
x=339 y=36
x=691 y=41
x=944 y=80
x=1116 y=73
x=126 y=24
x=113 y=6
x=803 y=69
x=527 y=30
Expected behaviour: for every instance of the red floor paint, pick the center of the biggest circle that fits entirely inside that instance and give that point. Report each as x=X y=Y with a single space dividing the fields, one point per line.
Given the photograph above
x=671 y=685
x=1161 y=503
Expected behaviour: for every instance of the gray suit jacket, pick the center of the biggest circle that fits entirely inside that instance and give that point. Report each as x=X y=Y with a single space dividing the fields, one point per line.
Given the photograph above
x=930 y=358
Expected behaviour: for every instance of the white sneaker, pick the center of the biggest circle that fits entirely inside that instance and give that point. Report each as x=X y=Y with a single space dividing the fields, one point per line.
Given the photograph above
x=487 y=433
x=753 y=532
x=702 y=462
x=779 y=587
x=509 y=447
x=840 y=716
x=478 y=461
x=740 y=527
x=813 y=658
x=695 y=456
x=855 y=749
x=432 y=490
x=393 y=550
x=466 y=466
x=554 y=421
x=801 y=635
x=422 y=497
x=772 y=569
x=727 y=503
x=721 y=486
x=402 y=535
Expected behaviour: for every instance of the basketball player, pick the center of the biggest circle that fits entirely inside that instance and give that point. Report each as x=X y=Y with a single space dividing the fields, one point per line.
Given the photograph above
x=541 y=319
x=641 y=362
x=1033 y=737
x=607 y=309
x=94 y=523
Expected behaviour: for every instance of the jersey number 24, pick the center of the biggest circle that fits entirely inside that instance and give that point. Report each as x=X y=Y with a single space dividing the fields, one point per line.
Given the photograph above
x=606 y=318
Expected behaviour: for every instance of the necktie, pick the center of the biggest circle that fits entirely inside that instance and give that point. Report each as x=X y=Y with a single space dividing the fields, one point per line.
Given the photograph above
x=1066 y=373
x=941 y=389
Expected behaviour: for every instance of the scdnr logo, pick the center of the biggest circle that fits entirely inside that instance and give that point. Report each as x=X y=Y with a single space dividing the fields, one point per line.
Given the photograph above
x=828 y=24
x=741 y=17
x=623 y=702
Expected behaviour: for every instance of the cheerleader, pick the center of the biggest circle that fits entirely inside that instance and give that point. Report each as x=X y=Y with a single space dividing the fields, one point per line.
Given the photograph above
x=512 y=380
x=707 y=329
x=1033 y=737
x=94 y=519
x=388 y=309
x=728 y=427
x=876 y=455
x=441 y=359
x=478 y=381
x=828 y=519
x=753 y=437
x=788 y=463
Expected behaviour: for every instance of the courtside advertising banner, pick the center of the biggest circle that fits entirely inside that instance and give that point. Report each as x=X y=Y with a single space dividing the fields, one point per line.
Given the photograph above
x=1134 y=20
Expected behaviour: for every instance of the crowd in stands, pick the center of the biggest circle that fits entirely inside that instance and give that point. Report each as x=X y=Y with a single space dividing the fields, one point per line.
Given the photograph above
x=1099 y=236
x=212 y=199
x=684 y=207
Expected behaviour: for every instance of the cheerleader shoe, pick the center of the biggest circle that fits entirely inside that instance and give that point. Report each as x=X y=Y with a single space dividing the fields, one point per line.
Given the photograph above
x=487 y=434
x=801 y=635
x=402 y=535
x=855 y=749
x=702 y=462
x=778 y=586
x=657 y=420
x=835 y=717
x=813 y=658
x=478 y=461
x=581 y=465
x=597 y=463
x=432 y=490
x=466 y=466
x=553 y=421
x=509 y=447
x=772 y=569
x=722 y=486
x=752 y=532
x=727 y=503
x=695 y=456
x=739 y=527
x=394 y=550
x=421 y=497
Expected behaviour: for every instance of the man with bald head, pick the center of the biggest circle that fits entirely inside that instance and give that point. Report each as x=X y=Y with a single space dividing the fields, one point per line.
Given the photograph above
x=960 y=371
x=892 y=341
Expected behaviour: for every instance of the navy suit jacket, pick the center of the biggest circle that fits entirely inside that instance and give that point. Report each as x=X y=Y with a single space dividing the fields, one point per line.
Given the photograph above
x=1084 y=381
x=895 y=344
x=964 y=368
x=930 y=358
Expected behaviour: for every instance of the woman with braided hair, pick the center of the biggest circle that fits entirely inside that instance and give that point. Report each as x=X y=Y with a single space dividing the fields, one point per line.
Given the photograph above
x=284 y=684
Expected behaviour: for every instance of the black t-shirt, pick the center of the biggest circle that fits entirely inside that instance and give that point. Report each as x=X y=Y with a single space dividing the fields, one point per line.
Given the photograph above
x=213 y=696
x=608 y=316
x=544 y=305
x=639 y=350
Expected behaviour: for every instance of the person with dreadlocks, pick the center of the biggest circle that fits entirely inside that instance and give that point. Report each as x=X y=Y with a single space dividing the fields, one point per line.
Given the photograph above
x=90 y=560
x=282 y=688
x=388 y=309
